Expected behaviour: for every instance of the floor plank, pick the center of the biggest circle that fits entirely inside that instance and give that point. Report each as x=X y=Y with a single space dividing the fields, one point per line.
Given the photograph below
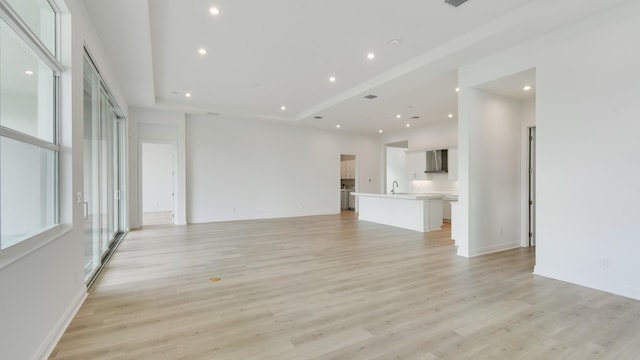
x=331 y=287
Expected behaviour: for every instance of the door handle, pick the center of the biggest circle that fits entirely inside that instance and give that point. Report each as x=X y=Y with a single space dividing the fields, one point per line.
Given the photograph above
x=86 y=210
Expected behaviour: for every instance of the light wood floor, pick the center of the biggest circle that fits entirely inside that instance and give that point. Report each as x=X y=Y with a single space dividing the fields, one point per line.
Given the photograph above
x=330 y=287
x=157 y=218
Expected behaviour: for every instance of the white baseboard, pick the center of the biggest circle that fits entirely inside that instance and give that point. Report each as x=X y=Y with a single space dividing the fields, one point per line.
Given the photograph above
x=260 y=217
x=494 y=248
x=46 y=348
x=597 y=284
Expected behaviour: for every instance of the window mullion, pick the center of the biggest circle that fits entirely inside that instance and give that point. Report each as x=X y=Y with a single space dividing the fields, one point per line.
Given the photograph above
x=18 y=136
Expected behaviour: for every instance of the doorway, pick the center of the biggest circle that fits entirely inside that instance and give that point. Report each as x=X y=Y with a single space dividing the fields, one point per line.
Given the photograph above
x=158 y=183
x=347 y=182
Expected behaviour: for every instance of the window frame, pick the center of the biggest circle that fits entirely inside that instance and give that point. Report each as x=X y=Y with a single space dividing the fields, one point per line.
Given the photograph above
x=20 y=29
x=24 y=32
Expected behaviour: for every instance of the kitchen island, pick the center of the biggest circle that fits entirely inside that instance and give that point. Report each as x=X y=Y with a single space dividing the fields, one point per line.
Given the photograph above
x=418 y=212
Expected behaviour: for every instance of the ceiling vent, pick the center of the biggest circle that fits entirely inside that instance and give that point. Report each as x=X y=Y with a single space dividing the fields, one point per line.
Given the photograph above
x=370 y=96
x=455 y=3
x=317 y=117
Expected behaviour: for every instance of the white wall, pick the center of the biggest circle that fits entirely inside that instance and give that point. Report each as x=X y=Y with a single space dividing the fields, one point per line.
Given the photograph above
x=442 y=134
x=156 y=126
x=247 y=170
x=42 y=280
x=396 y=169
x=587 y=84
x=494 y=145
x=157 y=177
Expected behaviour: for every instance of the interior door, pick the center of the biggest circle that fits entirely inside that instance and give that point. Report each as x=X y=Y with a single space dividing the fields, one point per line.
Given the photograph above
x=157 y=183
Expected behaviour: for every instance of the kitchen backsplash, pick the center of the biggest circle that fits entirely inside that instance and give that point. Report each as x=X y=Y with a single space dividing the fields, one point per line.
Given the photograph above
x=439 y=184
x=348 y=184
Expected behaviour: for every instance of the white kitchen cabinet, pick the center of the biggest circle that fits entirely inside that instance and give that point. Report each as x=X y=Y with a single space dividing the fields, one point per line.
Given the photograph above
x=416 y=164
x=348 y=169
x=453 y=163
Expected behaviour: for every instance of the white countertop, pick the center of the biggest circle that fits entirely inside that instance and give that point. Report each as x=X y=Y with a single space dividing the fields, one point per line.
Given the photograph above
x=405 y=196
x=451 y=197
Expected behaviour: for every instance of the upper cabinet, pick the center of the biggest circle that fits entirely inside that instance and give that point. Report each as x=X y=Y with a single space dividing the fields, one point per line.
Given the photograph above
x=453 y=163
x=416 y=164
x=348 y=169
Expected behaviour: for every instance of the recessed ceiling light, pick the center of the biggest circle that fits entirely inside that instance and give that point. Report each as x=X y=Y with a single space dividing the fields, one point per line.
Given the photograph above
x=283 y=108
x=450 y=116
x=394 y=42
x=214 y=10
x=526 y=88
x=175 y=92
x=317 y=117
x=371 y=96
x=338 y=126
x=202 y=51
x=457 y=89
x=408 y=125
x=28 y=72
x=379 y=131
x=415 y=117
x=398 y=116
x=332 y=79
x=371 y=56
x=187 y=95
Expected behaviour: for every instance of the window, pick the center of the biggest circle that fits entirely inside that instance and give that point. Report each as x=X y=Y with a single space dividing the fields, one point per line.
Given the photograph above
x=28 y=120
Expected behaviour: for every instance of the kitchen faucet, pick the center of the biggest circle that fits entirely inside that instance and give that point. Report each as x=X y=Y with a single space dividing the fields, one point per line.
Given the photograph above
x=393 y=189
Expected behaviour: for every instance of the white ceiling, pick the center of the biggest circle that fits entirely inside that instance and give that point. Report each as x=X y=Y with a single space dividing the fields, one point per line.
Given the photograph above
x=512 y=86
x=262 y=55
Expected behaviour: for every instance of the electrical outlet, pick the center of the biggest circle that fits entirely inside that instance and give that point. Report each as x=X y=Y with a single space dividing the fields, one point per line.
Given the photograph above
x=605 y=263
x=78 y=197
x=500 y=232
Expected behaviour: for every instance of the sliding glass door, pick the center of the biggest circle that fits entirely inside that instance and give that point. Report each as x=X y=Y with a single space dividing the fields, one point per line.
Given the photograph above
x=102 y=171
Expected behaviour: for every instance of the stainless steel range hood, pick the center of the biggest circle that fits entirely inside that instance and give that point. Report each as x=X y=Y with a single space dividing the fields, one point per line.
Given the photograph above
x=437 y=161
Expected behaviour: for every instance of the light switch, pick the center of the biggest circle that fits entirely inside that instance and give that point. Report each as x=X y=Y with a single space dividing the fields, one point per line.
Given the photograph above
x=78 y=197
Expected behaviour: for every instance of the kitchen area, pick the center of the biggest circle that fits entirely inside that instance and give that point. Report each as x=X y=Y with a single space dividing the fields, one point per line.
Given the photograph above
x=421 y=192
x=347 y=182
